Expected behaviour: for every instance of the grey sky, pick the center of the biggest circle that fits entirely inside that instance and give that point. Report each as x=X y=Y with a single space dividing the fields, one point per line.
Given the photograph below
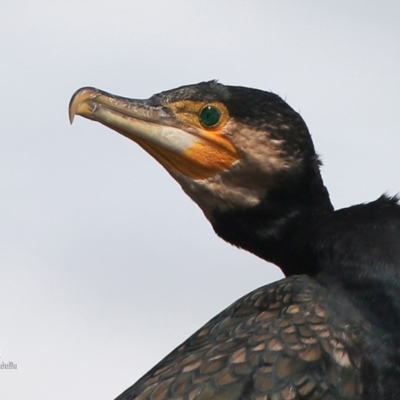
x=106 y=265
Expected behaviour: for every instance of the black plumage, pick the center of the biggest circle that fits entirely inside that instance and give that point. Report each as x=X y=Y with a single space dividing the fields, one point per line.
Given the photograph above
x=330 y=329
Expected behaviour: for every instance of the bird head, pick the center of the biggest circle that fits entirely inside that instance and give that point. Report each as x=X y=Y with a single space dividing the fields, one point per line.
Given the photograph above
x=228 y=147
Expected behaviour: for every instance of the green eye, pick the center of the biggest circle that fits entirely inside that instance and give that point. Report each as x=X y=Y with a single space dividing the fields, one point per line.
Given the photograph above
x=210 y=116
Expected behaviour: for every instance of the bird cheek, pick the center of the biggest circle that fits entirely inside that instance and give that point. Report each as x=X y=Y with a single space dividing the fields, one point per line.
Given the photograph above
x=207 y=159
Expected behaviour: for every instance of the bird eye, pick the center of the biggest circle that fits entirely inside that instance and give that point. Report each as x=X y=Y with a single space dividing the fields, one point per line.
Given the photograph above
x=209 y=116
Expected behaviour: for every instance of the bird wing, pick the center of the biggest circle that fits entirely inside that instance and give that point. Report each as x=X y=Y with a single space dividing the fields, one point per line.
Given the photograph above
x=281 y=342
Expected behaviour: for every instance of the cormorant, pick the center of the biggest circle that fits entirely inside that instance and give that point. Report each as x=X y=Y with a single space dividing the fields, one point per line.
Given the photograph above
x=331 y=328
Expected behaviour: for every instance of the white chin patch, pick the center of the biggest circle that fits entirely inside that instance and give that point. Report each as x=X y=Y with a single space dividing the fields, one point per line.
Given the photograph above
x=218 y=193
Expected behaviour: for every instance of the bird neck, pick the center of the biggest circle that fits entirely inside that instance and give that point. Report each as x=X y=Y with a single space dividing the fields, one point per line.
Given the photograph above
x=354 y=250
x=276 y=229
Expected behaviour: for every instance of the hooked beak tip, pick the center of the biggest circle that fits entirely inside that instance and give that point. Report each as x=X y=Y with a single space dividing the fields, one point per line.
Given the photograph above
x=79 y=102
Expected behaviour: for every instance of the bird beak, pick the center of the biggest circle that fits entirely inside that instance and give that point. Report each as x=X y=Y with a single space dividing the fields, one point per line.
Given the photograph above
x=177 y=147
